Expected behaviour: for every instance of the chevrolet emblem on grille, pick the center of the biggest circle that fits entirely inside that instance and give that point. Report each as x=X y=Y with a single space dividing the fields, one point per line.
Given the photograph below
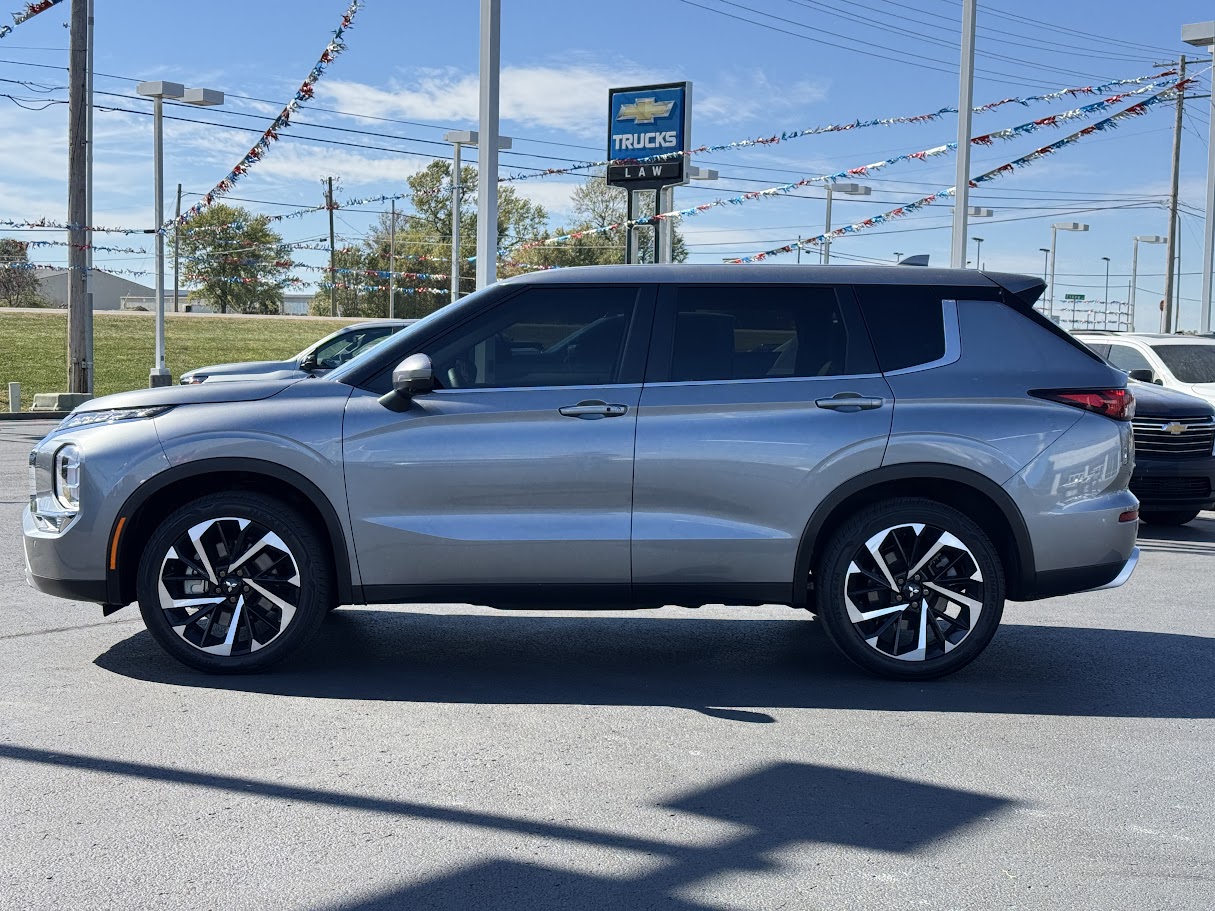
x=1174 y=428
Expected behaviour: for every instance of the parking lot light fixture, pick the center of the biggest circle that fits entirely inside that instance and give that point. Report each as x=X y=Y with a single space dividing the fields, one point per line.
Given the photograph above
x=849 y=189
x=1141 y=239
x=158 y=91
x=1054 y=237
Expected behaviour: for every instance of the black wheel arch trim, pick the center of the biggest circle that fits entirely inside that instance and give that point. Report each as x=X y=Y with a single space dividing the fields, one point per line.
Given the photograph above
x=346 y=590
x=1022 y=586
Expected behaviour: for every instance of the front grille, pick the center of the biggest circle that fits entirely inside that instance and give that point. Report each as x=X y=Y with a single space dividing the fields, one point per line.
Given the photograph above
x=1165 y=488
x=1185 y=438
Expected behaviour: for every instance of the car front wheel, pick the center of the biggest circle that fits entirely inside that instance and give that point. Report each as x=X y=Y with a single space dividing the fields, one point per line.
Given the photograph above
x=234 y=582
x=910 y=589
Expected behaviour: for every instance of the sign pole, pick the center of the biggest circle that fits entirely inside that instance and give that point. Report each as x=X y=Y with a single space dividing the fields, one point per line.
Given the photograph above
x=630 y=232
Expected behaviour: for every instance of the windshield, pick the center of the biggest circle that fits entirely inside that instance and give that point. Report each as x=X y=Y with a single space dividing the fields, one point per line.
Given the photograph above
x=1189 y=363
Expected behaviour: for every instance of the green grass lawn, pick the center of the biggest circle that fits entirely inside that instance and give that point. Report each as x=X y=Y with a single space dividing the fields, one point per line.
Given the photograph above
x=33 y=346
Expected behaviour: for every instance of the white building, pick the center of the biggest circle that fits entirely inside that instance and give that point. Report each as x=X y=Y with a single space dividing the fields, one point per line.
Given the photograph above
x=108 y=290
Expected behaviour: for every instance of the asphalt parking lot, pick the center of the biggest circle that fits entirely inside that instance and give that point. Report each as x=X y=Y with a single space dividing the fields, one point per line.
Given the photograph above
x=455 y=757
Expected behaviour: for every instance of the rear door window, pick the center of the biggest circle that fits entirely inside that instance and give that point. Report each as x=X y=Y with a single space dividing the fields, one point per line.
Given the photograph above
x=762 y=331
x=1126 y=359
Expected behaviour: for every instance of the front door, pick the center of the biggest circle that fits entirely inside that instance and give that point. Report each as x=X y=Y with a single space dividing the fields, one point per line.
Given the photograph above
x=513 y=479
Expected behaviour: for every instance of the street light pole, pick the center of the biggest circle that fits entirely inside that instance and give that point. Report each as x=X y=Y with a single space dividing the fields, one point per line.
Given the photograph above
x=459 y=139
x=850 y=189
x=1045 y=251
x=1202 y=34
x=392 y=258
x=158 y=91
x=456 y=193
x=965 y=103
x=487 y=156
x=1054 y=236
x=1140 y=239
x=1105 y=298
x=978 y=246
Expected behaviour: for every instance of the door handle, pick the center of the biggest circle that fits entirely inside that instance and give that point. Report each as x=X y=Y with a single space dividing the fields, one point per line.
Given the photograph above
x=850 y=401
x=594 y=408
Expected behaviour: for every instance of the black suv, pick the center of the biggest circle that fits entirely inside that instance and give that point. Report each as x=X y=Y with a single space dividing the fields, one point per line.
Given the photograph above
x=1174 y=475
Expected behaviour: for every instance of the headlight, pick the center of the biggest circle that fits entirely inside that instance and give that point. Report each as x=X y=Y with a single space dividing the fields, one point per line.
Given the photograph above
x=67 y=477
x=110 y=416
x=193 y=379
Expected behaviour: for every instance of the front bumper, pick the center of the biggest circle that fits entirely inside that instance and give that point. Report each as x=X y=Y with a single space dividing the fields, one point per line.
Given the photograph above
x=1174 y=483
x=90 y=590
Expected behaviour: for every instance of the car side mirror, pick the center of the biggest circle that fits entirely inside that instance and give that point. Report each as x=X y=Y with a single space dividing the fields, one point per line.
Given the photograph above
x=1143 y=375
x=308 y=362
x=413 y=376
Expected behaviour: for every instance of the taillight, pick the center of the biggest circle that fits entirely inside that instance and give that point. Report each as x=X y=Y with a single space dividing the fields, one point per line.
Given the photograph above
x=1118 y=404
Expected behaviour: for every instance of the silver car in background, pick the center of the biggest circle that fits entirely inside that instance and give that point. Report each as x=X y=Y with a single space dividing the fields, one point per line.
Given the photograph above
x=331 y=352
x=897 y=450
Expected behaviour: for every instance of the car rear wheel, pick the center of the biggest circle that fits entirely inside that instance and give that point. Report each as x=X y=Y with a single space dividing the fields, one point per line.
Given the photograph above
x=1168 y=516
x=910 y=589
x=234 y=582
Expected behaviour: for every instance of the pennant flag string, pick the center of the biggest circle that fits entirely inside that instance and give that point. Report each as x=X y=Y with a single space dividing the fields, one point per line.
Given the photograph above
x=1109 y=123
x=1151 y=81
x=305 y=92
x=28 y=12
x=865 y=170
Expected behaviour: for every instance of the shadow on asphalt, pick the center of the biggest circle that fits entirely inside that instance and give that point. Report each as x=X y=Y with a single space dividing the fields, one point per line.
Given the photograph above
x=774 y=808
x=1195 y=538
x=729 y=669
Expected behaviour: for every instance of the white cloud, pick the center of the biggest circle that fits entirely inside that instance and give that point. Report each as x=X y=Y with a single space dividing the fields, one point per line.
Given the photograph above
x=571 y=97
x=310 y=163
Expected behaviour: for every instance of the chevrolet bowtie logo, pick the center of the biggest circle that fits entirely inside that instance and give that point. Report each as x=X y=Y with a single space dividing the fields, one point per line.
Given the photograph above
x=645 y=110
x=1174 y=428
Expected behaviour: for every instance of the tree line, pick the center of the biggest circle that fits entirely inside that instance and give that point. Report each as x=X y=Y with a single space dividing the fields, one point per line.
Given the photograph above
x=236 y=263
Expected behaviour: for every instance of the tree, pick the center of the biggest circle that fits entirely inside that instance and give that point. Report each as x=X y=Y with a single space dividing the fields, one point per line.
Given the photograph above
x=234 y=261
x=597 y=205
x=423 y=246
x=18 y=282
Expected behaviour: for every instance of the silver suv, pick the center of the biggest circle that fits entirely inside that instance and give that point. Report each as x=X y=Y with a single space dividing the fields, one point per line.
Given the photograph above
x=897 y=450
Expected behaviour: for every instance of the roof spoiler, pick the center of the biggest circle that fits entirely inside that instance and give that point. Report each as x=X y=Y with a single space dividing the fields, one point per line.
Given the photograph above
x=1025 y=288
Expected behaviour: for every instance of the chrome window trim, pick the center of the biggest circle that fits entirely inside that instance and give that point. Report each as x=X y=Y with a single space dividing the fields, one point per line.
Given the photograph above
x=467 y=389
x=953 y=342
x=768 y=379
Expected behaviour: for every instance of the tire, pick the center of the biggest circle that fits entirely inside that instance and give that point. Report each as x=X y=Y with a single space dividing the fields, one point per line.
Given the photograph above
x=874 y=612
x=1168 y=516
x=268 y=606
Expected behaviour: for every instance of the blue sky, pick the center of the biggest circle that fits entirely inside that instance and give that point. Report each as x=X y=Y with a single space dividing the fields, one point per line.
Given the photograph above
x=410 y=73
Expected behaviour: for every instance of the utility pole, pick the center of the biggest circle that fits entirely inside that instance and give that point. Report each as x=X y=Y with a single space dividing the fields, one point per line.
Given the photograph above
x=392 y=260
x=80 y=317
x=1170 y=253
x=333 y=311
x=177 y=253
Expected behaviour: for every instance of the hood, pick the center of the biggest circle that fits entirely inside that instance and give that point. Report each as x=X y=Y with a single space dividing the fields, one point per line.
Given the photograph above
x=247 y=367
x=200 y=394
x=1157 y=401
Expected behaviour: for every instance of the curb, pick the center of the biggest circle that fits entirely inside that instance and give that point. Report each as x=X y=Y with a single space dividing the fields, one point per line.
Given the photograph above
x=33 y=415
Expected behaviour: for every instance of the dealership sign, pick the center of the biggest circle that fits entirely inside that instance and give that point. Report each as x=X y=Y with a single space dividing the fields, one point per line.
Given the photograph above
x=645 y=121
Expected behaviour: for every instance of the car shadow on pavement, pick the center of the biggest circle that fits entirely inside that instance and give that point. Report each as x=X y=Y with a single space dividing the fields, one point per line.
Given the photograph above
x=769 y=810
x=1196 y=538
x=726 y=668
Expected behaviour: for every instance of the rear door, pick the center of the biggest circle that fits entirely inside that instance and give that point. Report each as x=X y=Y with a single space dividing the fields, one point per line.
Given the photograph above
x=760 y=399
